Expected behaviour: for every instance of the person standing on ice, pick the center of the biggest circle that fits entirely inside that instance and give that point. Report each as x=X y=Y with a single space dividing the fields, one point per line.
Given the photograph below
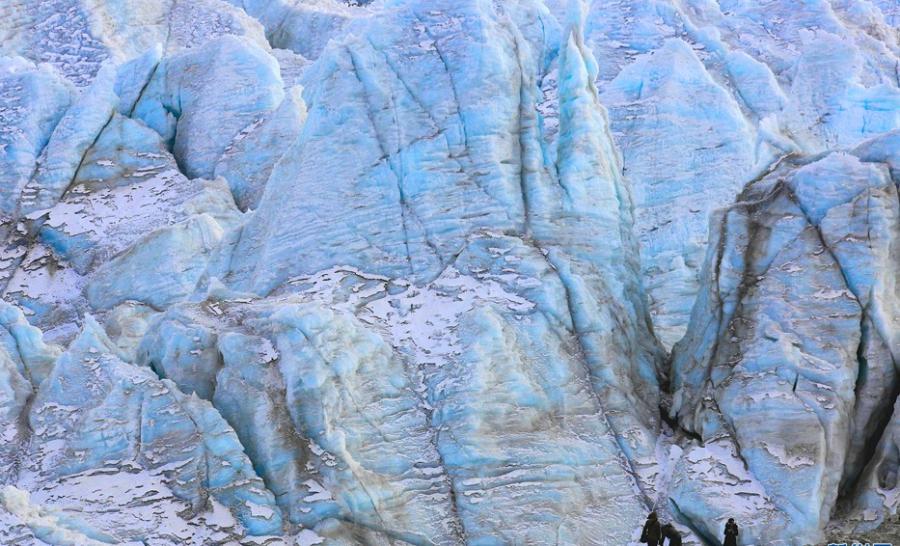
x=731 y=533
x=670 y=532
x=652 y=533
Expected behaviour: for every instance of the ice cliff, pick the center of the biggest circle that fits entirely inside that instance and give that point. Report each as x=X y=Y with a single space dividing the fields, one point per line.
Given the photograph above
x=448 y=272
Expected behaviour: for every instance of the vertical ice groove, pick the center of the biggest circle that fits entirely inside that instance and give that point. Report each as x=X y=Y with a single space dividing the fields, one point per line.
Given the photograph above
x=387 y=154
x=601 y=241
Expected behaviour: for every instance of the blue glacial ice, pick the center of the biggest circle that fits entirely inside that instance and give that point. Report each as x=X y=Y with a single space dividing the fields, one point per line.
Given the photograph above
x=447 y=272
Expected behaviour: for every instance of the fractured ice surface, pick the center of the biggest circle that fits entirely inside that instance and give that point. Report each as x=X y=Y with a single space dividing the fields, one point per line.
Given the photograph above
x=703 y=96
x=404 y=272
x=792 y=349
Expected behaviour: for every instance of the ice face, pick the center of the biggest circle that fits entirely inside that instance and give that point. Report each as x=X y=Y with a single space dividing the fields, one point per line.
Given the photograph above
x=314 y=416
x=792 y=356
x=101 y=434
x=408 y=272
x=193 y=99
x=76 y=38
x=302 y=27
x=703 y=97
x=34 y=101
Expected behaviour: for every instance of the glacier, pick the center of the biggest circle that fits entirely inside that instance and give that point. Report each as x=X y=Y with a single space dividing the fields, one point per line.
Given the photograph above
x=389 y=272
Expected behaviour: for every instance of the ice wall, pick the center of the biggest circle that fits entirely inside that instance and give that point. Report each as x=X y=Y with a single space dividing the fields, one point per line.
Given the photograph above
x=790 y=357
x=408 y=272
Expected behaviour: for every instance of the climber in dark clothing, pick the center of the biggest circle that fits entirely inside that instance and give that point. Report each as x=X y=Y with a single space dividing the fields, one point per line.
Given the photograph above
x=731 y=533
x=670 y=532
x=652 y=533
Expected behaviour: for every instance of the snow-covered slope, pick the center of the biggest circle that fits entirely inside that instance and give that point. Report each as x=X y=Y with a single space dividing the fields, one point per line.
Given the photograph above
x=447 y=272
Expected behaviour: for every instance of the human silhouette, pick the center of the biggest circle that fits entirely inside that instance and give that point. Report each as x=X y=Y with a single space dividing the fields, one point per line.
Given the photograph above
x=652 y=532
x=670 y=532
x=731 y=533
